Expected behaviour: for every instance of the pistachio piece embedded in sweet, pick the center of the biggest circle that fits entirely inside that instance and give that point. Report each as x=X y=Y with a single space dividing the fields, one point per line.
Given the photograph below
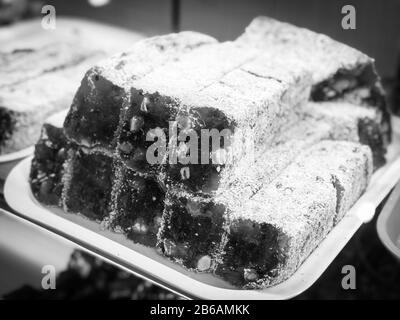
x=193 y=208
x=169 y=247
x=45 y=187
x=185 y=173
x=138 y=183
x=329 y=92
x=125 y=147
x=61 y=153
x=136 y=123
x=204 y=263
x=157 y=221
x=139 y=154
x=144 y=104
x=250 y=274
x=139 y=226
x=184 y=122
x=342 y=84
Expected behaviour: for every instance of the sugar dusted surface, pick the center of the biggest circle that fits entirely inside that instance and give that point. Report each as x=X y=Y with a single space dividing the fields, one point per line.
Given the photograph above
x=318 y=52
x=218 y=76
x=321 y=121
x=145 y=55
x=290 y=186
x=302 y=202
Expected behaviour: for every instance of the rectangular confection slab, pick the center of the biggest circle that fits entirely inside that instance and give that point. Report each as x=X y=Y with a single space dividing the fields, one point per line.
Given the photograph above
x=72 y=30
x=87 y=183
x=194 y=226
x=335 y=66
x=140 y=225
x=366 y=129
x=96 y=186
x=273 y=232
x=192 y=230
x=47 y=166
x=306 y=194
x=188 y=93
x=23 y=64
x=195 y=81
x=105 y=87
x=137 y=206
x=148 y=264
x=228 y=97
x=29 y=52
x=338 y=71
x=26 y=105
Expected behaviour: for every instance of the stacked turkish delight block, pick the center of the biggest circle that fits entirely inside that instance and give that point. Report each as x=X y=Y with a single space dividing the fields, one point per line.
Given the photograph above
x=36 y=83
x=234 y=158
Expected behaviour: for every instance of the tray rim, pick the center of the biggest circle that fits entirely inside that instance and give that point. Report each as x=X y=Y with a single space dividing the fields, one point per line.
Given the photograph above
x=18 y=195
x=26 y=221
x=16 y=155
x=382 y=220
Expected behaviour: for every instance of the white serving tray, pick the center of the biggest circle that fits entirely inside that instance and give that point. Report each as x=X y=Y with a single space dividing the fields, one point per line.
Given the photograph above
x=388 y=223
x=17 y=155
x=10 y=160
x=148 y=264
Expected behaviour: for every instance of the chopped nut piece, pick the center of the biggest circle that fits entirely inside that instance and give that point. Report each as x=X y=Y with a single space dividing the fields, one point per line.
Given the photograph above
x=185 y=173
x=204 y=263
x=250 y=275
x=136 y=123
x=144 y=104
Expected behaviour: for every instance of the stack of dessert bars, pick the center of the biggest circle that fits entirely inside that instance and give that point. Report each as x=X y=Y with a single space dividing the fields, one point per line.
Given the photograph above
x=306 y=123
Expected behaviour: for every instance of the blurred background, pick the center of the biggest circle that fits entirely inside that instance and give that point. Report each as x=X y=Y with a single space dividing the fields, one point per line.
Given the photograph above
x=82 y=276
x=377 y=21
x=377 y=31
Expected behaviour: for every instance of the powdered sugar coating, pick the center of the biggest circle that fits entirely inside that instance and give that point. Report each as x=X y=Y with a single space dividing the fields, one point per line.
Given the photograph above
x=302 y=202
x=328 y=56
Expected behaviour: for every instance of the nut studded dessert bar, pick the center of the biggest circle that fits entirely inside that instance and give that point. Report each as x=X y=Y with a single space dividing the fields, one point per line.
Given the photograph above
x=137 y=206
x=23 y=64
x=103 y=189
x=87 y=183
x=234 y=158
x=321 y=121
x=158 y=109
x=335 y=67
x=338 y=71
x=192 y=230
x=90 y=174
x=366 y=129
x=194 y=226
x=210 y=88
x=104 y=91
x=24 y=106
x=47 y=165
x=282 y=224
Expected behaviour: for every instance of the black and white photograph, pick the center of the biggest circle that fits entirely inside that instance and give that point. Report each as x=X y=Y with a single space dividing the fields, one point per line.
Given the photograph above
x=173 y=150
